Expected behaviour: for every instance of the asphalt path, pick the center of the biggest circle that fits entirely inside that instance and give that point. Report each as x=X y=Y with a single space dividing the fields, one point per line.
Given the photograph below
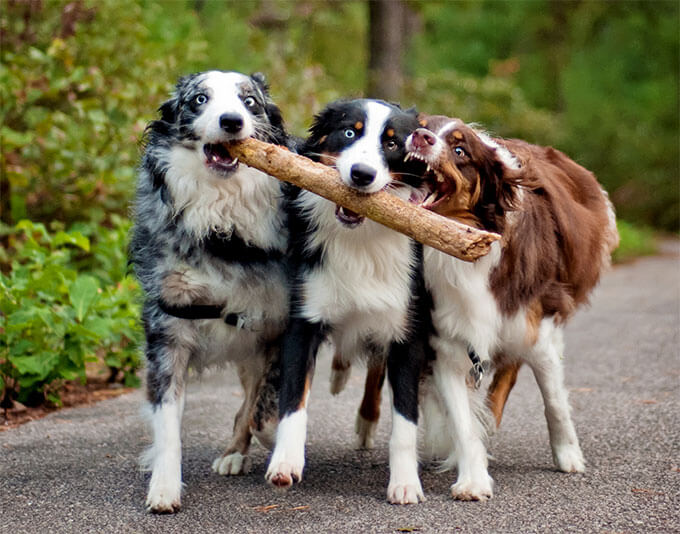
x=76 y=470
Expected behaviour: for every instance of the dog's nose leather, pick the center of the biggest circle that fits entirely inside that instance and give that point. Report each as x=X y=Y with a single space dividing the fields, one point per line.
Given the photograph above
x=362 y=174
x=231 y=122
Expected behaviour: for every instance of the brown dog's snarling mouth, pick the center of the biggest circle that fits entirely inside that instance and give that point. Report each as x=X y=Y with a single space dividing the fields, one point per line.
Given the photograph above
x=434 y=183
x=218 y=158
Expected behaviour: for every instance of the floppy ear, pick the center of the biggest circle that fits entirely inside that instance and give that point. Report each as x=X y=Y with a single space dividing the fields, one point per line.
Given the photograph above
x=278 y=134
x=498 y=183
x=169 y=110
x=260 y=80
x=319 y=130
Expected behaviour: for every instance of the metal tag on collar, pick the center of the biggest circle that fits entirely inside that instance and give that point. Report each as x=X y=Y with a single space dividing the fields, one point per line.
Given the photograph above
x=479 y=367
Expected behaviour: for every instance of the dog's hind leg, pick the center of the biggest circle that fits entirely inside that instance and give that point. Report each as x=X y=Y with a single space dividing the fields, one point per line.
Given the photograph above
x=340 y=373
x=369 y=411
x=235 y=460
x=166 y=373
x=504 y=379
x=547 y=367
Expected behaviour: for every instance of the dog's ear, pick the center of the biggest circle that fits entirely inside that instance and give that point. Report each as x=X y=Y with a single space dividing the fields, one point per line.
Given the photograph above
x=260 y=80
x=169 y=110
x=320 y=128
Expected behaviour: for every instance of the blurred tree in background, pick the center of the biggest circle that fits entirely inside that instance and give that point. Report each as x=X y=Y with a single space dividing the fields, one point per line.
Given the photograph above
x=79 y=79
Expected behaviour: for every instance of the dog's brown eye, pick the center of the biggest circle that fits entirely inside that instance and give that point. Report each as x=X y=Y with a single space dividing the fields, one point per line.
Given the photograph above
x=391 y=145
x=460 y=152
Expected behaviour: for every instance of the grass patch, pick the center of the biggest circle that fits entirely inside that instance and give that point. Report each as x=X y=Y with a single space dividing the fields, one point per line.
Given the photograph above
x=636 y=241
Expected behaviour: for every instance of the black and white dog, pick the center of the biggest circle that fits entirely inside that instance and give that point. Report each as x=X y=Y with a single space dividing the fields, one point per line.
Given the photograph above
x=208 y=248
x=356 y=281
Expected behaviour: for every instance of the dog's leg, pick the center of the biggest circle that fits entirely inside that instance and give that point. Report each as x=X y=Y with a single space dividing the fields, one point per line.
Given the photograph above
x=547 y=367
x=235 y=460
x=298 y=357
x=404 y=365
x=167 y=365
x=369 y=411
x=504 y=379
x=340 y=372
x=474 y=482
x=265 y=417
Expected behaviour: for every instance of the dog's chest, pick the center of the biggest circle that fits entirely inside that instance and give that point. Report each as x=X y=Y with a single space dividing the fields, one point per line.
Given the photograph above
x=461 y=295
x=361 y=275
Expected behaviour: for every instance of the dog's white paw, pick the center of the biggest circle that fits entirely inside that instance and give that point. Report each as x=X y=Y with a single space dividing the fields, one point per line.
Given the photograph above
x=469 y=489
x=398 y=493
x=365 y=431
x=569 y=459
x=284 y=474
x=232 y=464
x=163 y=498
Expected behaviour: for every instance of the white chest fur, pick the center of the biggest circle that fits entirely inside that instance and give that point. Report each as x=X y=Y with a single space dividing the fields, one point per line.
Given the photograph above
x=465 y=310
x=365 y=277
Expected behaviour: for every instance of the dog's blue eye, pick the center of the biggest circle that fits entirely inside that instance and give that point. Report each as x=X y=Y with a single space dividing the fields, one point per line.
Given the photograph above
x=250 y=102
x=460 y=152
x=349 y=133
x=201 y=99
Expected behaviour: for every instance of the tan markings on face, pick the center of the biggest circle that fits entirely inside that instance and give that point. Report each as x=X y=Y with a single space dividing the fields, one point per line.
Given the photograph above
x=390 y=132
x=422 y=122
x=458 y=135
x=358 y=125
x=323 y=140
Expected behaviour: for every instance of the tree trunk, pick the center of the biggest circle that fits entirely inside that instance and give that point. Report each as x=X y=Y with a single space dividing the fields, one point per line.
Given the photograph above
x=387 y=37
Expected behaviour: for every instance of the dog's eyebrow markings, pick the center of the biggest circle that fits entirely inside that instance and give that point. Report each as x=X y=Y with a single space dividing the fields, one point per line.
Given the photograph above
x=446 y=128
x=358 y=125
x=457 y=134
x=390 y=132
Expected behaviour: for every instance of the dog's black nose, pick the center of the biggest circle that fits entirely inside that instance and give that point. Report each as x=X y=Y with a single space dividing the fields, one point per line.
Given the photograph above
x=362 y=174
x=231 y=122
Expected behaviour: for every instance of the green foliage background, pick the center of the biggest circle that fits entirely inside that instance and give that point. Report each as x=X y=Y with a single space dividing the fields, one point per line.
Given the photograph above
x=80 y=79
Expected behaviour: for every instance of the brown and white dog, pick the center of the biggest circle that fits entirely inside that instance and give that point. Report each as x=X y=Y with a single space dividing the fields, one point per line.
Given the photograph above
x=558 y=230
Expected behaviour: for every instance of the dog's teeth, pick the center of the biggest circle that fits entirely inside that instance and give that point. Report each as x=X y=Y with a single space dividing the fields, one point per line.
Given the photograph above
x=440 y=178
x=429 y=168
x=407 y=157
x=235 y=161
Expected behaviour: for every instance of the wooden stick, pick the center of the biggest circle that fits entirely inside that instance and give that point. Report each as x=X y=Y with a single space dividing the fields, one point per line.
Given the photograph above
x=451 y=237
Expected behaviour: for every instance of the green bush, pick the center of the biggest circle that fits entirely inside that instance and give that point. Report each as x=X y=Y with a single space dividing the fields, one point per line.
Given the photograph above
x=57 y=316
x=78 y=83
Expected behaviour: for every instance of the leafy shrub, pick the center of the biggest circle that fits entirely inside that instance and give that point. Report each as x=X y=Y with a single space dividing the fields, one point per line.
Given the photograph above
x=78 y=82
x=56 y=316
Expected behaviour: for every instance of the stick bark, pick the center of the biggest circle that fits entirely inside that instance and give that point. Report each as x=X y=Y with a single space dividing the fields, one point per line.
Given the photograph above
x=446 y=235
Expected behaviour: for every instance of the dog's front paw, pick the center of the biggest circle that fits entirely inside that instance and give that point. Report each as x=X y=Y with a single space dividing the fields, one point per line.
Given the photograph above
x=232 y=464
x=468 y=489
x=569 y=459
x=398 y=493
x=284 y=474
x=163 y=498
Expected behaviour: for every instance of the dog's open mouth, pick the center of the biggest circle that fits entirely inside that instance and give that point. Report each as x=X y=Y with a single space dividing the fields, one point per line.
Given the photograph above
x=348 y=217
x=435 y=188
x=219 y=159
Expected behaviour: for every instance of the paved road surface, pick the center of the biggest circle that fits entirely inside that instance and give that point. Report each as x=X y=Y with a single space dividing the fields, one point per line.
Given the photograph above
x=76 y=471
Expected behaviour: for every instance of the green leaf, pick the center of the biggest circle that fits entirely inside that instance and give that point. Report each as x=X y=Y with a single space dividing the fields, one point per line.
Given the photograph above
x=72 y=238
x=39 y=365
x=83 y=292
